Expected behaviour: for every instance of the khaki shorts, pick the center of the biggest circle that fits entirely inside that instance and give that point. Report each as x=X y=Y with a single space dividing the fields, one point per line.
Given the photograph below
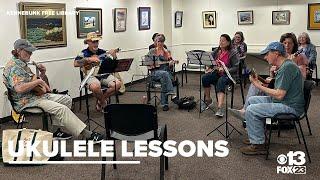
x=105 y=81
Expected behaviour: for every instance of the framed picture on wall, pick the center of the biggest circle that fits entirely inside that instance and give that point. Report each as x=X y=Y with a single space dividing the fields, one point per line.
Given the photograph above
x=89 y=20
x=120 y=19
x=46 y=28
x=178 y=19
x=144 y=18
x=209 y=19
x=245 y=17
x=314 y=16
x=281 y=17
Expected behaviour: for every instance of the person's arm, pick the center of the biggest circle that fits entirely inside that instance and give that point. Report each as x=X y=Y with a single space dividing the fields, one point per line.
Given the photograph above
x=278 y=94
x=313 y=54
x=26 y=87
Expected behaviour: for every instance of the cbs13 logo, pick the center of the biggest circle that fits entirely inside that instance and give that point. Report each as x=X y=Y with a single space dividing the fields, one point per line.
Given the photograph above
x=294 y=160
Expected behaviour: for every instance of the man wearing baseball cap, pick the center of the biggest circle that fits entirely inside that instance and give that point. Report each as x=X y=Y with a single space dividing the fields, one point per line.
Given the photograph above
x=286 y=97
x=90 y=57
x=18 y=79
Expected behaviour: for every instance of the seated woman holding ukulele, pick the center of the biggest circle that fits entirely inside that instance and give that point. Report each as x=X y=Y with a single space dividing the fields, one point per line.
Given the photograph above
x=218 y=77
x=161 y=71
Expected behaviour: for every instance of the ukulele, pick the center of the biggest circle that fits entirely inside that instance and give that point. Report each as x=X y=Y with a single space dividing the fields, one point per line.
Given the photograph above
x=89 y=65
x=40 y=89
x=155 y=64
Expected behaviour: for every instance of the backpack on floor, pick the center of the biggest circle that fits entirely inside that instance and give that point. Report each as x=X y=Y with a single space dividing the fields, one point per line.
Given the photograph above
x=187 y=103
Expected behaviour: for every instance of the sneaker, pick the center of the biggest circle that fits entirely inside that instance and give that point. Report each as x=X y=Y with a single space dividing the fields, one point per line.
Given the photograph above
x=95 y=137
x=165 y=108
x=175 y=100
x=219 y=113
x=60 y=135
x=237 y=114
x=254 y=149
x=56 y=158
x=205 y=105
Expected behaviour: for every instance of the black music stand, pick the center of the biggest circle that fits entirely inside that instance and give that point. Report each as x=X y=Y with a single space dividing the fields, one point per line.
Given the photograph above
x=107 y=67
x=201 y=58
x=226 y=123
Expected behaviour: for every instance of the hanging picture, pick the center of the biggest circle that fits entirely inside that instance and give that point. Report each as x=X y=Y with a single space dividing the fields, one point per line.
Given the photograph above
x=178 y=19
x=89 y=20
x=144 y=15
x=120 y=19
x=245 y=17
x=314 y=16
x=281 y=17
x=46 y=28
x=209 y=19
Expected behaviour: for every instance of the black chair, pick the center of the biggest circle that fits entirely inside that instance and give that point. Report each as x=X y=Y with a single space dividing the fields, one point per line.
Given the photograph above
x=28 y=111
x=288 y=117
x=133 y=122
x=312 y=67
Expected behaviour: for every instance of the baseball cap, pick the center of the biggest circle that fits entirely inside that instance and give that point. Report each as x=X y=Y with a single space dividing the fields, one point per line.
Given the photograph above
x=274 y=46
x=93 y=36
x=24 y=44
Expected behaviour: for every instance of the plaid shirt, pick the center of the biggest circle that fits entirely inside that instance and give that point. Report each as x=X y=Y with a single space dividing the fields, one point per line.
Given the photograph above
x=16 y=72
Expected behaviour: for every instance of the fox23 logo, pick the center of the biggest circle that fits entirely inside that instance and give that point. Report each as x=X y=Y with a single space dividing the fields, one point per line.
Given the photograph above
x=292 y=163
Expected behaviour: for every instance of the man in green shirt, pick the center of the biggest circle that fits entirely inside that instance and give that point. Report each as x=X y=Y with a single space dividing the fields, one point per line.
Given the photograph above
x=286 y=97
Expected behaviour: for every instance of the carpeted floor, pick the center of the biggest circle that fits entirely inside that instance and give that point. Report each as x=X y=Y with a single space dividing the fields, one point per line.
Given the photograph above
x=184 y=125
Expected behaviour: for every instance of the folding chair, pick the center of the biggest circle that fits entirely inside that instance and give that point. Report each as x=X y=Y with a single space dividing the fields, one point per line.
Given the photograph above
x=133 y=122
x=281 y=117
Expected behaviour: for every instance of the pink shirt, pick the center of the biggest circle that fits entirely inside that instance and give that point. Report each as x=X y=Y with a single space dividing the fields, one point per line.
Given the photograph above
x=224 y=57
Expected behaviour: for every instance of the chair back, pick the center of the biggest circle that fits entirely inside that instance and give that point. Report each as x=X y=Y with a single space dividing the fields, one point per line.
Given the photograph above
x=308 y=86
x=130 y=119
x=9 y=94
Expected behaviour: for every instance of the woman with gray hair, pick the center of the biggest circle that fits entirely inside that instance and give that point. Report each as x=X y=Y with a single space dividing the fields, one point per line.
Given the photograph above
x=308 y=49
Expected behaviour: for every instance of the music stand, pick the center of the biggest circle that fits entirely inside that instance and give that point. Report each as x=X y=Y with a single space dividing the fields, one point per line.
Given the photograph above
x=200 y=58
x=227 y=123
x=152 y=60
x=107 y=67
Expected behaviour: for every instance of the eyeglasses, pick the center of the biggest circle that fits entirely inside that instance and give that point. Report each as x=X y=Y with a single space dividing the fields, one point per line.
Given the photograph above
x=96 y=41
x=28 y=52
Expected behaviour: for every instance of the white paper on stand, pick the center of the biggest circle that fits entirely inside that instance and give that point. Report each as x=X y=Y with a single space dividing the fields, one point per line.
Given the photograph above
x=227 y=71
x=84 y=81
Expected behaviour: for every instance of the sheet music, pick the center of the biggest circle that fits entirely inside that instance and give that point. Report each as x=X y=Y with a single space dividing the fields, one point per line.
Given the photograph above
x=227 y=71
x=200 y=57
x=150 y=60
x=84 y=81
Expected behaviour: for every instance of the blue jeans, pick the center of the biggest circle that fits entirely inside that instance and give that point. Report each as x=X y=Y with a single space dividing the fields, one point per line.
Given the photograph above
x=220 y=81
x=253 y=91
x=166 y=84
x=259 y=108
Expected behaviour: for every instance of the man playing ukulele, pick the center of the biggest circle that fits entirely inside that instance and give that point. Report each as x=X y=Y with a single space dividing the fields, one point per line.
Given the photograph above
x=91 y=57
x=18 y=79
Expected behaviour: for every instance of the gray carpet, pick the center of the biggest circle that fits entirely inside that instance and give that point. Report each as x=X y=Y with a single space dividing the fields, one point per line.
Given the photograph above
x=184 y=125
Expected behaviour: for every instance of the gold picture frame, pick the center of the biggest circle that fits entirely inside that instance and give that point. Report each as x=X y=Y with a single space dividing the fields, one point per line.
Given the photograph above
x=209 y=19
x=46 y=26
x=314 y=16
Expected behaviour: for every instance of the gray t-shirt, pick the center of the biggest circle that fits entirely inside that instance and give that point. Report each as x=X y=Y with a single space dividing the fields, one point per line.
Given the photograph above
x=289 y=78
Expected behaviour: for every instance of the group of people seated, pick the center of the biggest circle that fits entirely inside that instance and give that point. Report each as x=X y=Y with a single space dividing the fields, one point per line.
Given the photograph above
x=291 y=62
